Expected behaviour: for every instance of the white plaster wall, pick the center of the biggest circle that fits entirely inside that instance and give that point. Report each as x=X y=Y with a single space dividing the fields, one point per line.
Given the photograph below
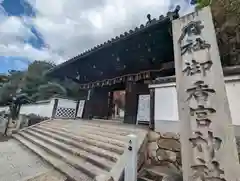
x=166 y=108
x=5 y=108
x=66 y=103
x=233 y=94
x=44 y=108
x=166 y=104
x=41 y=109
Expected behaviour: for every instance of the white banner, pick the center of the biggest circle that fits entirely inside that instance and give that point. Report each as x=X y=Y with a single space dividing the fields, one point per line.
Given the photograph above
x=143 y=113
x=80 y=108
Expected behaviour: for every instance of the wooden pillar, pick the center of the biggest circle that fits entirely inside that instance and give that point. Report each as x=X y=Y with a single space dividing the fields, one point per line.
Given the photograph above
x=207 y=137
x=55 y=105
x=131 y=99
x=110 y=104
x=99 y=103
x=152 y=109
x=87 y=112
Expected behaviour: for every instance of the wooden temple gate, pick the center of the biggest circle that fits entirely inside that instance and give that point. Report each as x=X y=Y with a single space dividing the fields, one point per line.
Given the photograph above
x=128 y=62
x=100 y=102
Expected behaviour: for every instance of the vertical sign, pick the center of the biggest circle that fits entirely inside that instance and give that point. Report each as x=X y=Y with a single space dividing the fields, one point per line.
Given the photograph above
x=208 y=143
x=143 y=112
x=80 y=108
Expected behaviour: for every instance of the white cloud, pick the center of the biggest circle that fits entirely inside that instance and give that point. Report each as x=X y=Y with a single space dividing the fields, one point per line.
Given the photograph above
x=69 y=27
x=12 y=29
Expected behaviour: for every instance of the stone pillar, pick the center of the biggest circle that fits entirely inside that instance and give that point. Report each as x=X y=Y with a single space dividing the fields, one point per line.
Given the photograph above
x=207 y=137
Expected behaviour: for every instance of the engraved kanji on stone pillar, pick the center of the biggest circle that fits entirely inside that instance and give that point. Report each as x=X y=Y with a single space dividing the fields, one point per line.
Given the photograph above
x=208 y=144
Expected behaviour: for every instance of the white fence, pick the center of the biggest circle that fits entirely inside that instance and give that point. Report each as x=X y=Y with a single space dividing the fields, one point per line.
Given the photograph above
x=56 y=108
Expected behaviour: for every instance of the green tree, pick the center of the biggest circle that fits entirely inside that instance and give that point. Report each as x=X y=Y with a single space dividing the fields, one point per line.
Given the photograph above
x=9 y=86
x=3 y=79
x=203 y=3
x=35 y=84
x=226 y=15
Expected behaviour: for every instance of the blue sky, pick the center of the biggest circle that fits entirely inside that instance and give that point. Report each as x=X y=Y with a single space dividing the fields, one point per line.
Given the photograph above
x=56 y=30
x=8 y=62
x=15 y=8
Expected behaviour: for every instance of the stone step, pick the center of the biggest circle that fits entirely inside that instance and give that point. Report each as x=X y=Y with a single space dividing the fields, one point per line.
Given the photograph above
x=108 y=128
x=58 y=164
x=111 y=126
x=75 y=161
x=98 y=143
x=113 y=129
x=115 y=126
x=161 y=173
x=146 y=179
x=88 y=156
x=149 y=175
x=92 y=135
x=88 y=129
x=94 y=149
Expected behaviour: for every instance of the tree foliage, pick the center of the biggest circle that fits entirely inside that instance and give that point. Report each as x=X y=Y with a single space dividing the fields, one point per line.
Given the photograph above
x=3 y=79
x=34 y=84
x=226 y=15
x=9 y=86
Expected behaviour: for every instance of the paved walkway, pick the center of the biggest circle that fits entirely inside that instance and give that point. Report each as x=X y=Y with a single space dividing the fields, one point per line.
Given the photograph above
x=18 y=163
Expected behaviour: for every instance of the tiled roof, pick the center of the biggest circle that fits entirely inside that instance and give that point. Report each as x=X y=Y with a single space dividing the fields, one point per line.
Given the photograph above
x=150 y=23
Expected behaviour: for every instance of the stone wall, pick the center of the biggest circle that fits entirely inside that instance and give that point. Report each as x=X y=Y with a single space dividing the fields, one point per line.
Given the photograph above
x=164 y=149
x=163 y=157
x=238 y=146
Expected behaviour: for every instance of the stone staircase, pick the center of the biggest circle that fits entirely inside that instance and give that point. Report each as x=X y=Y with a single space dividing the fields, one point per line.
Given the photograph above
x=82 y=150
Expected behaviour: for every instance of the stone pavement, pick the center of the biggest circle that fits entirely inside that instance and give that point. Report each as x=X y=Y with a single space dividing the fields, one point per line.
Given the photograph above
x=18 y=163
